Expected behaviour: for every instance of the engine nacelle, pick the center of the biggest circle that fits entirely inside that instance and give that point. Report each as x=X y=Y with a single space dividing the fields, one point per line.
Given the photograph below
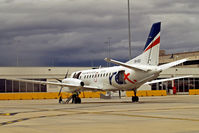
x=73 y=81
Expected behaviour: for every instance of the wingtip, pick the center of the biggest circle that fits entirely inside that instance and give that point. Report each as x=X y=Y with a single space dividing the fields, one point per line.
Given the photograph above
x=185 y=59
x=189 y=76
x=107 y=59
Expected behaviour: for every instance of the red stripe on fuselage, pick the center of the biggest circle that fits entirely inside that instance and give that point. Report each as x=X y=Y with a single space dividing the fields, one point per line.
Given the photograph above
x=126 y=78
x=154 y=43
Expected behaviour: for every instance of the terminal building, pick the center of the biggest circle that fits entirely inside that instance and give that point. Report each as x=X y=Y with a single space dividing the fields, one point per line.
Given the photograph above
x=187 y=68
x=52 y=73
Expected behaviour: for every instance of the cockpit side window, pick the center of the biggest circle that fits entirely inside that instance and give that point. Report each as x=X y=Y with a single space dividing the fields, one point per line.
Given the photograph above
x=74 y=75
x=77 y=75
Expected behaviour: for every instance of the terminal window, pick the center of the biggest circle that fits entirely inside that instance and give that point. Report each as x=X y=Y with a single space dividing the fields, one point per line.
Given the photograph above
x=9 y=86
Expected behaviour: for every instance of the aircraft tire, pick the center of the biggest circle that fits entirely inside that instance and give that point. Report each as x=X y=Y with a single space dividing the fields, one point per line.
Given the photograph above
x=77 y=100
x=135 y=98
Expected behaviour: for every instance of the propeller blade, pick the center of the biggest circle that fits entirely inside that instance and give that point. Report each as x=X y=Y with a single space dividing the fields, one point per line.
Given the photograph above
x=66 y=74
x=60 y=91
x=59 y=80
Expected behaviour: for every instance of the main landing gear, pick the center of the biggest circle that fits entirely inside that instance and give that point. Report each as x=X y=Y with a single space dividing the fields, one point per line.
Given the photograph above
x=75 y=98
x=135 y=98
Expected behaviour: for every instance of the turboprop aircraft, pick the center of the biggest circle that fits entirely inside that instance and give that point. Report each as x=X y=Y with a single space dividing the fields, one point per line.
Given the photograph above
x=130 y=75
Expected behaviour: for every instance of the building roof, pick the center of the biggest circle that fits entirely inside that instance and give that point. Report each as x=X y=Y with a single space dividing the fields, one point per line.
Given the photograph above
x=192 y=57
x=37 y=72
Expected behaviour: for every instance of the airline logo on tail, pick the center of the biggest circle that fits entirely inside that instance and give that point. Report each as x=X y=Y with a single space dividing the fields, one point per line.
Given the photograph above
x=154 y=37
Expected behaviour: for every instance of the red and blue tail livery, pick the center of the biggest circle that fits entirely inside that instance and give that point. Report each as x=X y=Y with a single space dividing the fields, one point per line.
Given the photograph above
x=154 y=36
x=150 y=55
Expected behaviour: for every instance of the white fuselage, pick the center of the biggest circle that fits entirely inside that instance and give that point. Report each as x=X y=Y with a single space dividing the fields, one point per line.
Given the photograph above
x=114 y=78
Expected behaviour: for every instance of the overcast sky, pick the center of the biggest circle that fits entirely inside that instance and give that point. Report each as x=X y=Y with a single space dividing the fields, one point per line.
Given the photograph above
x=74 y=32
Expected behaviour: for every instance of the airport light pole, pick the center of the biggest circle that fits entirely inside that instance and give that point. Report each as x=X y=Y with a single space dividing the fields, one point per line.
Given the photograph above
x=129 y=28
x=106 y=54
x=17 y=51
x=109 y=47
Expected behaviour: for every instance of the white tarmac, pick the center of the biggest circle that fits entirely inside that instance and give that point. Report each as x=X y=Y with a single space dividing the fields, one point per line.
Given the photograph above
x=166 y=114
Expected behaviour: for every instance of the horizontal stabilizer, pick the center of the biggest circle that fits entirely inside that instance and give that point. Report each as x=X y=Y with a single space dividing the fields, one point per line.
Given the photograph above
x=168 y=65
x=169 y=79
x=131 y=66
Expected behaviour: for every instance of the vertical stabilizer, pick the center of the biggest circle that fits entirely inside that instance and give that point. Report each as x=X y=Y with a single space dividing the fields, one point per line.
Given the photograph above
x=150 y=55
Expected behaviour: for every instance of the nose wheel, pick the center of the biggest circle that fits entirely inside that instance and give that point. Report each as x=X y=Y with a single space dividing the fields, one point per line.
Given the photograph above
x=135 y=98
x=74 y=97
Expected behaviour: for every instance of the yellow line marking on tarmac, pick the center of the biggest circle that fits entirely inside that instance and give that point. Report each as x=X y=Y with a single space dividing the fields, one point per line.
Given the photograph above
x=9 y=122
x=122 y=110
x=5 y=114
x=156 y=109
x=99 y=113
x=145 y=116
x=108 y=112
x=43 y=116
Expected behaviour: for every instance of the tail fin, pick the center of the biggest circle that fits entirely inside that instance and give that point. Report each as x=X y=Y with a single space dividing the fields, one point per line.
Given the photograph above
x=150 y=55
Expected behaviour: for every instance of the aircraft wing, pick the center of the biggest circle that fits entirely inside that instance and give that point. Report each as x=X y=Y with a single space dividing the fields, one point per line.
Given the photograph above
x=79 y=87
x=46 y=83
x=169 y=79
x=91 y=88
x=131 y=66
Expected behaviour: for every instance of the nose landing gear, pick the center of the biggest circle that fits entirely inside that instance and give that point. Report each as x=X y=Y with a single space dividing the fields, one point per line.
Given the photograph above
x=75 y=98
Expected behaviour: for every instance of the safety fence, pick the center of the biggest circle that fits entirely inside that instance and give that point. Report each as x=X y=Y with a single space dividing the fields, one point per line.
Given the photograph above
x=54 y=95
x=193 y=91
x=45 y=95
x=143 y=93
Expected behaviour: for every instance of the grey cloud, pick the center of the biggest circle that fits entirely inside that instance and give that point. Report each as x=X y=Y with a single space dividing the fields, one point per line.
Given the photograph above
x=70 y=32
